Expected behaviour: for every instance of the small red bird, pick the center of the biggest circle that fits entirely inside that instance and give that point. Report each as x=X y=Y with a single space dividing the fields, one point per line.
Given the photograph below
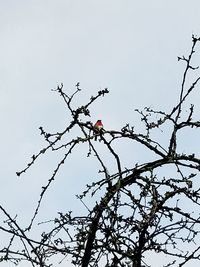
x=98 y=127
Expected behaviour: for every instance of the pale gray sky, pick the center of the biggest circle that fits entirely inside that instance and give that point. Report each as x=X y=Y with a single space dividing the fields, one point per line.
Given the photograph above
x=129 y=46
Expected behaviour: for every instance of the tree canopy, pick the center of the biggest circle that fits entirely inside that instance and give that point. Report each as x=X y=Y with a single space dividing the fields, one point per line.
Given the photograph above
x=148 y=209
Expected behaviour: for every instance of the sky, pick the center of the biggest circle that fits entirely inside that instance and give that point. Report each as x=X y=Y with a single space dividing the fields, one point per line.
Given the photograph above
x=129 y=47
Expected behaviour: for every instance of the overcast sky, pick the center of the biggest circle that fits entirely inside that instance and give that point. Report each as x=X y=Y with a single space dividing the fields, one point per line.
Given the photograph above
x=129 y=46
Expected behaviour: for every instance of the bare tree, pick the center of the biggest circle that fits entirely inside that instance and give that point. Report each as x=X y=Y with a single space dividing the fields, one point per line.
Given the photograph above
x=151 y=208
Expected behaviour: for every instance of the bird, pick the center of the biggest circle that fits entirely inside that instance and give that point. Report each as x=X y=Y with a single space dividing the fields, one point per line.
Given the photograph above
x=98 y=128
